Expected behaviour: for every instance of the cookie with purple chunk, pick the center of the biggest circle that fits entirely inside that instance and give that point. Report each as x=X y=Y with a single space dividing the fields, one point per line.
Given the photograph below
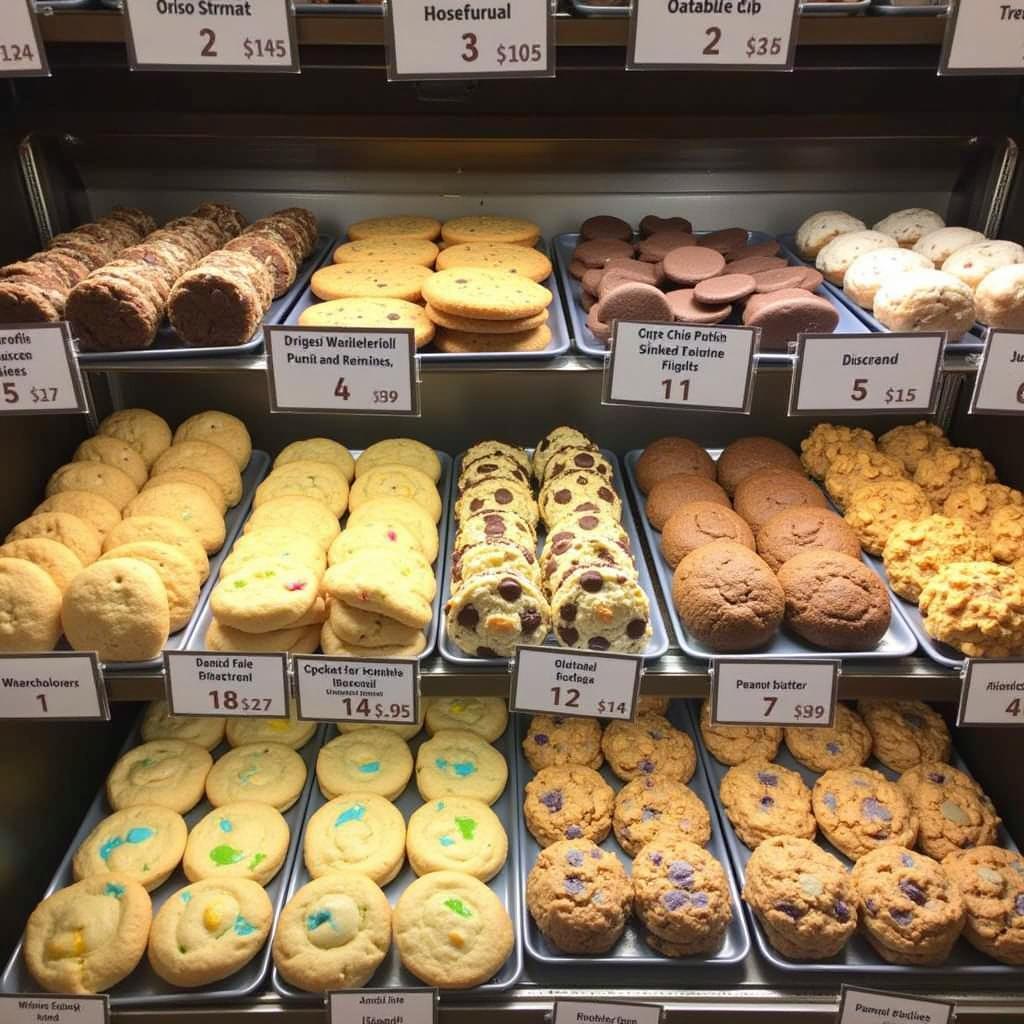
x=764 y=799
x=568 y=801
x=651 y=805
x=905 y=732
x=647 y=746
x=494 y=612
x=681 y=894
x=556 y=740
x=846 y=744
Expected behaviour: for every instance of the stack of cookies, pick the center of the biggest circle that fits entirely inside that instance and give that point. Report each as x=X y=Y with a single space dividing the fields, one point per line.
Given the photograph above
x=36 y=289
x=115 y=556
x=485 y=295
x=668 y=274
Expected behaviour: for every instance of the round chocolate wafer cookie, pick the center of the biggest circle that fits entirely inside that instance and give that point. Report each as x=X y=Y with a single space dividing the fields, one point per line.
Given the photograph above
x=689 y=265
x=725 y=288
x=686 y=309
x=604 y=226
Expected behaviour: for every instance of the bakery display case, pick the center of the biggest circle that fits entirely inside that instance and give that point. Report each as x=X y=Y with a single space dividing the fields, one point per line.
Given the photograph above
x=548 y=839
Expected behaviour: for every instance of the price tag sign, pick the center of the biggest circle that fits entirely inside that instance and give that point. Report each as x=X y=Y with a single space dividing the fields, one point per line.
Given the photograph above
x=430 y=39
x=999 y=386
x=380 y=1005
x=357 y=690
x=984 y=37
x=239 y=685
x=866 y=374
x=575 y=1011
x=32 y=1008
x=731 y=35
x=992 y=693
x=869 y=1006
x=561 y=681
x=64 y=685
x=683 y=365
x=211 y=35
x=364 y=373
x=38 y=370
x=21 y=46
x=745 y=692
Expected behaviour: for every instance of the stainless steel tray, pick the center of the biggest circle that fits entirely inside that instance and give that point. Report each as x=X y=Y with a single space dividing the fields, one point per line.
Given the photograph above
x=259 y=463
x=898 y=641
x=833 y=9
x=659 y=642
x=197 y=636
x=972 y=341
x=505 y=885
x=169 y=346
x=558 y=345
x=631 y=950
x=144 y=987
x=589 y=345
x=45 y=7
x=857 y=957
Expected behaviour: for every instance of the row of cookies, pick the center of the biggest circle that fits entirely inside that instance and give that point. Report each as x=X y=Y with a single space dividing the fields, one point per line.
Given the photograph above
x=671 y=274
x=950 y=535
x=469 y=285
x=755 y=545
x=115 y=557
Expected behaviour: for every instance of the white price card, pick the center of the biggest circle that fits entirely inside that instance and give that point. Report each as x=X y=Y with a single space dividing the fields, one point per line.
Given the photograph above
x=52 y=687
x=869 y=1006
x=745 y=35
x=383 y=1006
x=999 y=386
x=212 y=35
x=220 y=684
x=992 y=693
x=683 y=365
x=575 y=1011
x=984 y=37
x=21 y=45
x=563 y=681
x=430 y=39
x=750 y=692
x=38 y=370
x=366 y=373
x=357 y=690
x=866 y=374
x=31 y=1009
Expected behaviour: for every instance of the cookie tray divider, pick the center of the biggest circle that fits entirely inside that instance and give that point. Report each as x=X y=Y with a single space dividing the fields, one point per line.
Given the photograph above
x=144 y=988
x=168 y=345
x=898 y=641
x=589 y=345
x=197 y=636
x=631 y=950
x=932 y=10
x=858 y=956
x=971 y=342
x=255 y=471
x=505 y=884
x=659 y=642
x=560 y=337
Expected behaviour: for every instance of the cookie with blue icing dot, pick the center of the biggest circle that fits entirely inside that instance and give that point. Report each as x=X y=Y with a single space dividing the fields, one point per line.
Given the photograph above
x=456 y=762
x=265 y=773
x=237 y=840
x=457 y=834
x=371 y=760
x=359 y=832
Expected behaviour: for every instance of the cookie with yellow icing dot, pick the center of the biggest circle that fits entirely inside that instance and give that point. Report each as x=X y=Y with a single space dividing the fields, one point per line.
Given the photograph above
x=486 y=716
x=240 y=840
x=362 y=832
x=288 y=731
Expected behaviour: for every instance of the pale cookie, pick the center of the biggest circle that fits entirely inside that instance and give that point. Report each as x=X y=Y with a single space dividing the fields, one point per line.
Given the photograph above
x=265 y=773
x=494 y=612
x=367 y=761
x=498 y=494
x=396 y=482
x=159 y=724
x=296 y=640
x=456 y=762
x=400 y=451
x=406 y=563
x=275 y=542
x=304 y=515
x=290 y=731
x=973 y=263
x=96 y=477
x=209 y=930
x=908 y=227
x=76 y=534
x=176 y=572
x=451 y=930
x=488 y=449
x=117 y=608
x=208 y=458
x=163 y=530
x=194 y=477
x=57 y=560
x=89 y=936
x=96 y=510
x=394 y=250
x=384 y=586
x=113 y=452
x=146 y=432
x=820 y=228
x=240 y=840
x=358 y=832
x=168 y=773
x=331 y=644
x=368 y=314
x=354 y=539
x=319 y=449
x=333 y=934
x=143 y=843
x=357 y=628
x=485 y=294
x=186 y=504
x=486 y=716
x=486 y=228
x=602 y=608
x=219 y=428
x=400 y=226
x=511 y=259
x=370 y=280
x=402 y=512
x=866 y=274
x=939 y=245
x=457 y=834
x=318 y=480
x=264 y=595
x=535 y=340
x=835 y=258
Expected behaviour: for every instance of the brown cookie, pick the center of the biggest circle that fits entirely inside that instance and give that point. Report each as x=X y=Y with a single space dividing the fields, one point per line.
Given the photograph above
x=634 y=301
x=788 y=277
x=757 y=265
x=768 y=491
x=597 y=327
x=698 y=523
x=655 y=248
x=746 y=455
x=730 y=287
x=605 y=226
x=598 y=251
x=785 y=314
x=672 y=493
x=802 y=528
x=752 y=250
x=652 y=224
x=577 y=269
x=670 y=455
x=688 y=265
x=687 y=310
x=725 y=240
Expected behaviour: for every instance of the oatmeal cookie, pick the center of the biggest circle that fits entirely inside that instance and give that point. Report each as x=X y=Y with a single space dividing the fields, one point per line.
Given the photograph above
x=553 y=740
x=991 y=881
x=874 y=510
x=826 y=441
x=846 y=744
x=763 y=799
x=734 y=744
x=905 y=733
x=650 y=745
x=568 y=802
x=652 y=805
